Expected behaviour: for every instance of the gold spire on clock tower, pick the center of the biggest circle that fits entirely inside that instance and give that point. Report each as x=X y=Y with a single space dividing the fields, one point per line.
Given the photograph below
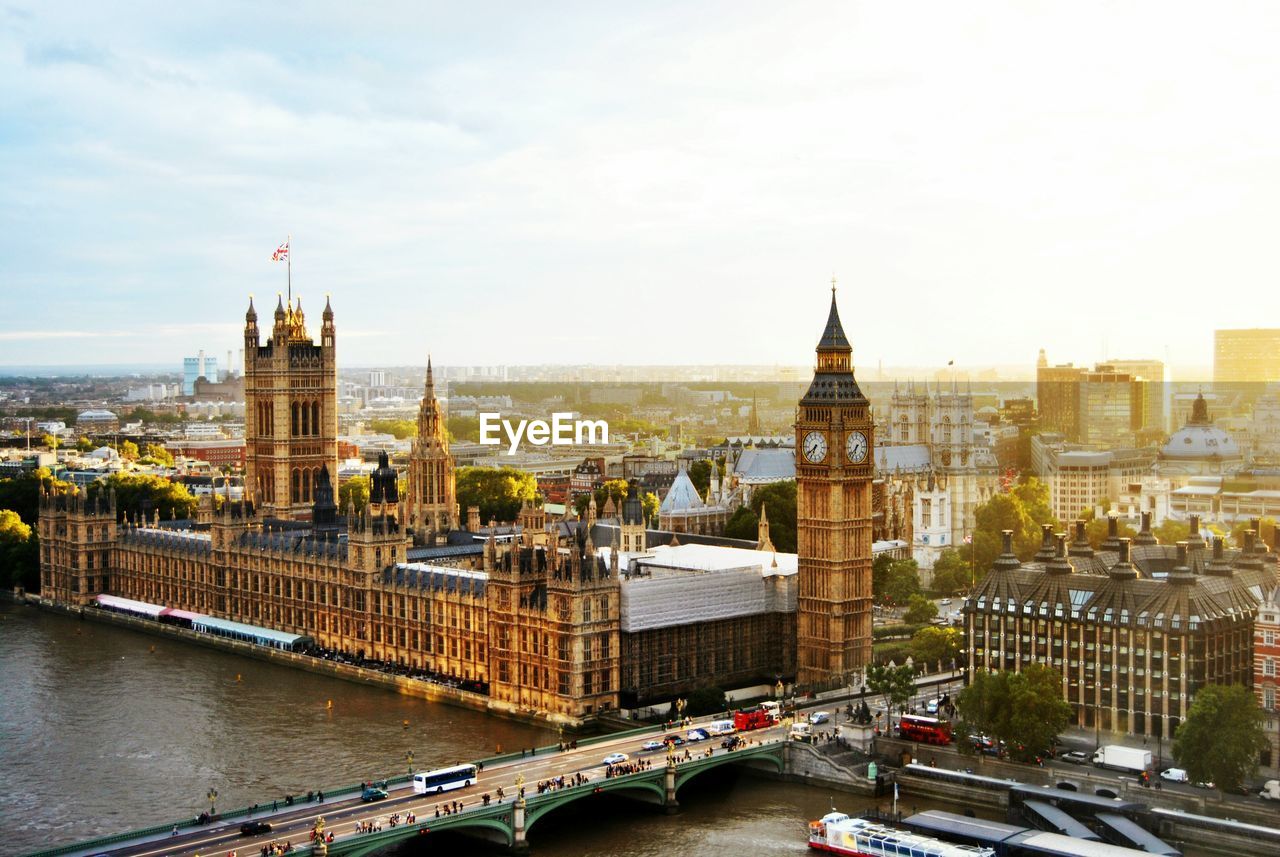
x=834 y=463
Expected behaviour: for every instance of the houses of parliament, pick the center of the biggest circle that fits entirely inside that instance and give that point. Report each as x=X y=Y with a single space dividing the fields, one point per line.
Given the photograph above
x=558 y=618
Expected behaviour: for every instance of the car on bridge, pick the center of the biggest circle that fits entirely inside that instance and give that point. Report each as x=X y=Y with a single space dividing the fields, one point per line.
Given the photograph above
x=819 y=717
x=1074 y=757
x=253 y=828
x=652 y=745
x=673 y=740
x=373 y=793
x=696 y=735
x=615 y=758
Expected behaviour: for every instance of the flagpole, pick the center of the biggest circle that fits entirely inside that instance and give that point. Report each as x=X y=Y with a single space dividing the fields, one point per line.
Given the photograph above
x=288 y=260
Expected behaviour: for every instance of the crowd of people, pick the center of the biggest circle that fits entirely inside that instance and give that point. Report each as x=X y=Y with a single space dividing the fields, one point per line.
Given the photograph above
x=624 y=768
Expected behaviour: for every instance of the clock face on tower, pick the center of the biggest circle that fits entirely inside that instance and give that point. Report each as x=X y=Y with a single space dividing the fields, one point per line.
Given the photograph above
x=815 y=446
x=855 y=446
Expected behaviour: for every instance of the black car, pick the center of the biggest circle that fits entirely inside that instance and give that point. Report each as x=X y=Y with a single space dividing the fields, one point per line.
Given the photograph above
x=253 y=828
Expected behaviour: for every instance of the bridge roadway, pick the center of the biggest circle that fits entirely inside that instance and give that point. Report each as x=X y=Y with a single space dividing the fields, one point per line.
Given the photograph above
x=500 y=821
x=343 y=815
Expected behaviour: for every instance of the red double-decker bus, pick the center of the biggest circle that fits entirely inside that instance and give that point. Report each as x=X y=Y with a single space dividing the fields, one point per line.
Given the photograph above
x=931 y=730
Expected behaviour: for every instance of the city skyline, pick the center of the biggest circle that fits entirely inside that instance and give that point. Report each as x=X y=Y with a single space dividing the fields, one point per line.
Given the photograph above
x=628 y=187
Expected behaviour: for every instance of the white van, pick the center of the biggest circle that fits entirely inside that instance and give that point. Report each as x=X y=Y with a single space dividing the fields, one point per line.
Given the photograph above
x=801 y=732
x=720 y=727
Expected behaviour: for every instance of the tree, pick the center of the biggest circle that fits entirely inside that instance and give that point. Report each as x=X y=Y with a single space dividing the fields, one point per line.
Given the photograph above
x=1170 y=532
x=950 y=572
x=919 y=610
x=743 y=524
x=894 y=685
x=1039 y=712
x=933 y=646
x=1266 y=527
x=706 y=700
x=353 y=494
x=129 y=451
x=649 y=503
x=779 y=498
x=84 y=444
x=1024 y=709
x=157 y=454
x=903 y=581
x=498 y=491
x=142 y=495
x=399 y=429
x=880 y=566
x=1023 y=510
x=1097 y=528
x=22 y=493
x=19 y=553
x=48 y=441
x=463 y=428
x=1221 y=738
x=700 y=476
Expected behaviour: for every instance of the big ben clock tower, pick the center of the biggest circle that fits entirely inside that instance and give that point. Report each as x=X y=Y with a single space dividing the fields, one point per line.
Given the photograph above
x=834 y=460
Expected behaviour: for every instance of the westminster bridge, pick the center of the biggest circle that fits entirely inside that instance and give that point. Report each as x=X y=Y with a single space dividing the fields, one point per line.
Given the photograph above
x=507 y=821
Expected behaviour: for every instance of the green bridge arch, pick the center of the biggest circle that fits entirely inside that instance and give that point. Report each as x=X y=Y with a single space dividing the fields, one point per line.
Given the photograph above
x=499 y=818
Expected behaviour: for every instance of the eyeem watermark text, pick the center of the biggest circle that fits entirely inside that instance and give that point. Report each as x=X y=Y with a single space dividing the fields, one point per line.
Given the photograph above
x=563 y=430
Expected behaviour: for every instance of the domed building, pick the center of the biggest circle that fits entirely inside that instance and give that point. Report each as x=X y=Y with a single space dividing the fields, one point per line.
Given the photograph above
x=1199 y=448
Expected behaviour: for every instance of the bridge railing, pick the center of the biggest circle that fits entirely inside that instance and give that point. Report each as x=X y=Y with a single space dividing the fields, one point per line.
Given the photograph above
x=341 y=791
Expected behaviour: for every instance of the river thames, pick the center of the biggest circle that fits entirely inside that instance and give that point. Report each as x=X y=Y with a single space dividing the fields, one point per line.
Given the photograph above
x=104 y=730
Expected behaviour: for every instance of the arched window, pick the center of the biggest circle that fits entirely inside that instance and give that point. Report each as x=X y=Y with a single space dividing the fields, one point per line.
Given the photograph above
x=315 y=418
x=294 y=411
x=297 y=486
x=306 y=480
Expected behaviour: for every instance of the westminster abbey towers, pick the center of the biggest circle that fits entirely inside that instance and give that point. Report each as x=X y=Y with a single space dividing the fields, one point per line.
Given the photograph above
x=834 y=463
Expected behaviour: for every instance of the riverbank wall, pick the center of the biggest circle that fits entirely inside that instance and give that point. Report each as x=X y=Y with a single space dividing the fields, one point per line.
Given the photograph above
x=430 y=691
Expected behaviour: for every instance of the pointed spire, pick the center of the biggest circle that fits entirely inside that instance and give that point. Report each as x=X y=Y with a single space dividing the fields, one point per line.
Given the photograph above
x=431 y=381
x=328 y=310
x=833 y=334
x=251 y=316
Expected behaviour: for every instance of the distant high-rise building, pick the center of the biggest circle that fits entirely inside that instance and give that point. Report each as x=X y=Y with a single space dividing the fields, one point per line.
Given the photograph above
x=1151 y=374
x=1110 y=408
x=1058 y=396
x=1250 y=356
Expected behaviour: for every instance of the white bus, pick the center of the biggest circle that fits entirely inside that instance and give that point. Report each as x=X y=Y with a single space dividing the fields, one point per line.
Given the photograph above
x=444 y=779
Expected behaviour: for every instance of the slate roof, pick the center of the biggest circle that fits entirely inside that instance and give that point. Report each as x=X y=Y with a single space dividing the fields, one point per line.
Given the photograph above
x=766 y=465
x=682 y=497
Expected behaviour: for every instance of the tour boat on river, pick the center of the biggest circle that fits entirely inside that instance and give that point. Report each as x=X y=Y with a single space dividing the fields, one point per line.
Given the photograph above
x=861 y=837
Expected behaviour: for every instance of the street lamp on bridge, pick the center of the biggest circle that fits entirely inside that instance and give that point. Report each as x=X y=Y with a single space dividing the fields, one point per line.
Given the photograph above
x=409 y=758
x=213 y=799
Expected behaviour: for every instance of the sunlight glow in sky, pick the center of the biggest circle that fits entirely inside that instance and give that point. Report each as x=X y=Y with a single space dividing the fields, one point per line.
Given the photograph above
x=640 y=183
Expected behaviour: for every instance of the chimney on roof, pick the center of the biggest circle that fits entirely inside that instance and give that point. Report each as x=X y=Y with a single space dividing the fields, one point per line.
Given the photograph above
x=1008 y=560
x=1112 y=542
x=1059 y=564
x=1181 y=572
x=1124 y=568
x=1081 y=546
x=1218 y=565
x=1046 y=543
x=1145 y=536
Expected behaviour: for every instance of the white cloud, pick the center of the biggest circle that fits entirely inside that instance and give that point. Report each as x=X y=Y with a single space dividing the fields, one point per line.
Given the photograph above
x=491 y=181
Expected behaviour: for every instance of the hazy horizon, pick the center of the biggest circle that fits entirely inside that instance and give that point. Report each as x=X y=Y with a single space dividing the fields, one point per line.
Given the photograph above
x=587 y=183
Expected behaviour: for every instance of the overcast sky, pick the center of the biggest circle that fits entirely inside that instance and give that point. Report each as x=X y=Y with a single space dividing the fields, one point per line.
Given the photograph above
x=641 y=183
